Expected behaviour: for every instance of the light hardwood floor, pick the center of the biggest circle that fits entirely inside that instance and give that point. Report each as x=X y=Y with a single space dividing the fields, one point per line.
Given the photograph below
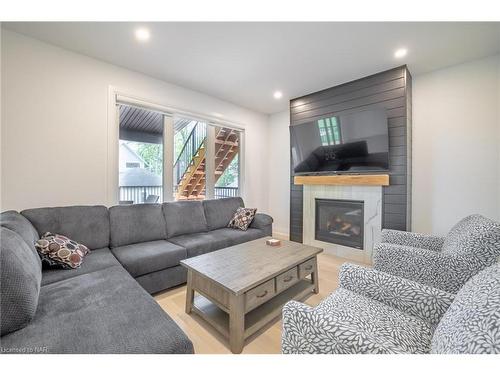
x=206 y=340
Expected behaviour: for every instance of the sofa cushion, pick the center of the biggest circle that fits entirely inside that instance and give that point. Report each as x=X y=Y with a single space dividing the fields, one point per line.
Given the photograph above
x=389 y=327
x=20 y=278
x=220 y=211
x=60 y=251
x=88 y=225
x=97 y=259
x=184 y=217
x=471 y=325
x=16 y=222
x=136 y=223
x=145 y=257
x=100 y=312
x=201 y=243
x=236 y=236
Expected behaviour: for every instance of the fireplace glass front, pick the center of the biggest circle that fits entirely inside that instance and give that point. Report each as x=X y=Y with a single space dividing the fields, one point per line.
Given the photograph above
x=340 y=222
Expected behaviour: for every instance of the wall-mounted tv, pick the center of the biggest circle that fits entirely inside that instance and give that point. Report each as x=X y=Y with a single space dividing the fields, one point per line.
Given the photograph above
x=348 y=143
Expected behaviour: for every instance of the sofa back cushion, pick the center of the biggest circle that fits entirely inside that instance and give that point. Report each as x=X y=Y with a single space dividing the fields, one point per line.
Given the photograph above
x=136 y=223
x=88 y=225
x=475 y=236
x=184 y=217
x=219 y=212
x=471 y=323
x=20 y=278
x=16 y=222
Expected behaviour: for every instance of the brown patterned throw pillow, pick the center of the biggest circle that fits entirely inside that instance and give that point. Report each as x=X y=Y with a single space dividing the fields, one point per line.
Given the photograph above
x=242 y=218
x=59 y=250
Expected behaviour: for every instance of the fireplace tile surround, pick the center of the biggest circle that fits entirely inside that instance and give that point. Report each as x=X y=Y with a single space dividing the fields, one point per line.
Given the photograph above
x=371 y=196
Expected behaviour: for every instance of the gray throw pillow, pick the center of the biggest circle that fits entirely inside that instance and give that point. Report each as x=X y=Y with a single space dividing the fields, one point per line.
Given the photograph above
x=20 y=277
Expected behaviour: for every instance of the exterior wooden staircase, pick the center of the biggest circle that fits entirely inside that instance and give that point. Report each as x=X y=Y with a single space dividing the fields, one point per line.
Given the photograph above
x=191 y=185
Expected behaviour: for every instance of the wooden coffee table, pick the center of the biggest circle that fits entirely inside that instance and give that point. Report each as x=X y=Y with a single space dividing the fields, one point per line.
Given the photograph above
x=242 y=288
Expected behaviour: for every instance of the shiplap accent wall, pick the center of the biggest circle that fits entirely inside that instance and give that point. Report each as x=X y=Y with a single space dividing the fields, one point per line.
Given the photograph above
x=390 y=90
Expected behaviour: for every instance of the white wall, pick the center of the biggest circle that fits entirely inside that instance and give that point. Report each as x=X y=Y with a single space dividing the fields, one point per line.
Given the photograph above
x=456 y=148
x=279 y=172
x=54 y=125
x=456 y=144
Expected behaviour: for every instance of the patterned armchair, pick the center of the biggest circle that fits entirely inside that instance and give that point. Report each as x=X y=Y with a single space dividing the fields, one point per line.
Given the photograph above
x=374 y=312
x=441 y=262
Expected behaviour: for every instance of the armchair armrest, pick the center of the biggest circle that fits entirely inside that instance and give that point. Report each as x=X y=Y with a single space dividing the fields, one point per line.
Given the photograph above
x=408 y=296
x=308 y=330
x=420 y=240
x=261 y=221
x=428 y=267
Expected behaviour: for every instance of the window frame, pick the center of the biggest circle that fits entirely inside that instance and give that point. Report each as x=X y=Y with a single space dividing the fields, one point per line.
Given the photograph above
x=118 y=96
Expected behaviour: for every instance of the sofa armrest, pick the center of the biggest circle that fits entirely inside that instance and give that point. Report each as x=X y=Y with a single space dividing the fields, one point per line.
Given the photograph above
x=261 y=221
x=442 y=271
x=307 y=330
x=408 y=296
x=420 y=240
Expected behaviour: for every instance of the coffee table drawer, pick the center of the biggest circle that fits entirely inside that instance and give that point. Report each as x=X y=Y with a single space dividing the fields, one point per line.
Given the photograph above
x=307 y=267
x=286 y=279
x=260 y=294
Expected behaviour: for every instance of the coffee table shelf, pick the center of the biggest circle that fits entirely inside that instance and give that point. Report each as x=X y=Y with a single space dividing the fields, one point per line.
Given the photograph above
x=255 y=319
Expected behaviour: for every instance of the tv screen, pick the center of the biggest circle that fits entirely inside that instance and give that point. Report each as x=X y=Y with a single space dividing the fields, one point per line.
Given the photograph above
x=351 y=143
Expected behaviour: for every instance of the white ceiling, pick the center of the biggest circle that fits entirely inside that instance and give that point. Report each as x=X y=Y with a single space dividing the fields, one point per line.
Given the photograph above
x=244 y=63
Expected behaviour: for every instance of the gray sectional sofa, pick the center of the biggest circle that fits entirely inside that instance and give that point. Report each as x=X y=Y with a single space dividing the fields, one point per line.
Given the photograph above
x=100 y=308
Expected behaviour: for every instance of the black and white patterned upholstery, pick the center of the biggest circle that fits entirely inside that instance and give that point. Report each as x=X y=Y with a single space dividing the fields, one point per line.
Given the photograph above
x=371 y=312
x=472 y=323
x=374 y=312
x=410 y=297
x=442 y=262
x=420 y=240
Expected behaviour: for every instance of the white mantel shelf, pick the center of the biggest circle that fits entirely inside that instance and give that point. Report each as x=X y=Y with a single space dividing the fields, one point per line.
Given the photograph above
x=352 y=180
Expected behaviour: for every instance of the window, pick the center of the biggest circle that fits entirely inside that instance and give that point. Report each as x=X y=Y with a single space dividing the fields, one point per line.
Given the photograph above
x=227 y=164
x=140 y=156
x=329 y=131
x=189 y=159
x=166 y=156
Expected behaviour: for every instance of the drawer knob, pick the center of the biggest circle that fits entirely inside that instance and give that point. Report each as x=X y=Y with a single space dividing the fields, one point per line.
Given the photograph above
x=262 y=295
x=287 y=279
x=309 y=268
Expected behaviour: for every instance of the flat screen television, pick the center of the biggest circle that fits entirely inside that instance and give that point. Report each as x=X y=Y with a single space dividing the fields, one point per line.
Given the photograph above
x=349 y=143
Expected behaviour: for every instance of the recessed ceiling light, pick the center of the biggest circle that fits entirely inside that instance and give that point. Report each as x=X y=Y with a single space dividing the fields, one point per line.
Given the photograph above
x=142 y=34
x=401 y=52
x=278 y=95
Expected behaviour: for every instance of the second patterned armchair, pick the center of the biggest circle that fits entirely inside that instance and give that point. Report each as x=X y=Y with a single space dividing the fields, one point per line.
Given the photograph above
x=441 y=262
x=371 y=312
x=375 y=312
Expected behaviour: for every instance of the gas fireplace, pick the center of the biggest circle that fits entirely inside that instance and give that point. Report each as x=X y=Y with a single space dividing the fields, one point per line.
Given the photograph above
x=340 y=221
